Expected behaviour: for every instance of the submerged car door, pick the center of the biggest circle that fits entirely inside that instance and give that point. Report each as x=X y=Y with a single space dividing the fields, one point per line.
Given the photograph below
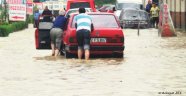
x=42 y=35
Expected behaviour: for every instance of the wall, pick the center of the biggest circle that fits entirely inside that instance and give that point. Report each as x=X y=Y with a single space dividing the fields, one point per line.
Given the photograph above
x=178 y=12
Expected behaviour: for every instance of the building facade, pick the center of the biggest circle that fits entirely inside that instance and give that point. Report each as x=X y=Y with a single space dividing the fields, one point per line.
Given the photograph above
x=178 y=12
x=55 y=4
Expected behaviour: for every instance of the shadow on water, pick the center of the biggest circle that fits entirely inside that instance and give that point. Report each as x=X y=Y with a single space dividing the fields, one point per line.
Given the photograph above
x=94 y=60
x=47 y=58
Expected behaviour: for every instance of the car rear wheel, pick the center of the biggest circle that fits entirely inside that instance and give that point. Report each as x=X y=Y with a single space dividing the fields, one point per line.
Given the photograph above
x=68 y=55
x=62 y=50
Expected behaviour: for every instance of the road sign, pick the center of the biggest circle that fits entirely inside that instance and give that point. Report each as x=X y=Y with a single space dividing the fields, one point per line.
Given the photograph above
x=29 y=8
x=17 y=12
x=15 y=1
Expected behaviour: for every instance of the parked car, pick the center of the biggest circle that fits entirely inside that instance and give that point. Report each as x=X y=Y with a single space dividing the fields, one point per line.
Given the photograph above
x=130 y=18
x=107 y=37
x=122 y=4
x=75 y=10
x=106 y=8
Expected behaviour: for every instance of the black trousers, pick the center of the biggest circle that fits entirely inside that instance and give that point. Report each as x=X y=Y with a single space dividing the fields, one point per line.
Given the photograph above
x=155 y=20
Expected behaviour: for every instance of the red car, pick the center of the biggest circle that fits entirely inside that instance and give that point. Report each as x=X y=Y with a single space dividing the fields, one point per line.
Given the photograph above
x=107 y=37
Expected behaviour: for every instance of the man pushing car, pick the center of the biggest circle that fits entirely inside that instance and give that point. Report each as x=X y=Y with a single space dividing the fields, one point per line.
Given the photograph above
x=83 y=28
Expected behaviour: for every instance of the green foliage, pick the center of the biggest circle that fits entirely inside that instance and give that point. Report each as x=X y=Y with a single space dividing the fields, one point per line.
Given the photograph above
x=6 y=28
x=30 y=18
x=102 y=2
x=4 y=13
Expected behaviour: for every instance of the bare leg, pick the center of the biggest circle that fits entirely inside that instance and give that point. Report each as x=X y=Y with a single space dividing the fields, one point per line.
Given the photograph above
x=53 y=49
x=156 y=24
x=87 y=54
x=56 y=52
x=80 y=53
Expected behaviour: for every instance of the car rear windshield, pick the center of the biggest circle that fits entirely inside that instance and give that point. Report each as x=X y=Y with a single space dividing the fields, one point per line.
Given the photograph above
x=80 y=4
x=102 y=21
x=121 y=6
x=76 y=11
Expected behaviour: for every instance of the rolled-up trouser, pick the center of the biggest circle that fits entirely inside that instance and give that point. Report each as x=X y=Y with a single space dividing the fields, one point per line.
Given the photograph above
x=56 y=37
x=83 y=39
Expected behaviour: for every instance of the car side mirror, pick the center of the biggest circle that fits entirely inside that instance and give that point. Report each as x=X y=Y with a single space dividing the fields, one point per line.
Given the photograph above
x=114 y=9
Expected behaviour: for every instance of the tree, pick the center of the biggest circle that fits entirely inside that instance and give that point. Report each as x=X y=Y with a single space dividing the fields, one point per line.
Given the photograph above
x=4 y=12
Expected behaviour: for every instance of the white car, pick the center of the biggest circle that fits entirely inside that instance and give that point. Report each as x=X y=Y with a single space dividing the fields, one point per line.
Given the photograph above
x=75 y=10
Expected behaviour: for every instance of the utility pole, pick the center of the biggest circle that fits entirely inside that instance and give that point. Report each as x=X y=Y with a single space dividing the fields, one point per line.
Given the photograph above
x=52 y=6
x=5 y=12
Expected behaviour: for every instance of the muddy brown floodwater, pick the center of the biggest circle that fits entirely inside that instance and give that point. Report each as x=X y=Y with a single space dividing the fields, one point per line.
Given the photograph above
x=152 y=66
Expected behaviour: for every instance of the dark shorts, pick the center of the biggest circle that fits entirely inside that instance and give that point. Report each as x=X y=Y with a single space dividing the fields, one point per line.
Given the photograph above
x=83 y=39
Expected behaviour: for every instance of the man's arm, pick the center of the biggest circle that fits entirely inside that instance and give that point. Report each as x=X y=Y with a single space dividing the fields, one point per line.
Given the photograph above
x=151 y=11
x=92 y=25
x=65 y=24
x=76 y=25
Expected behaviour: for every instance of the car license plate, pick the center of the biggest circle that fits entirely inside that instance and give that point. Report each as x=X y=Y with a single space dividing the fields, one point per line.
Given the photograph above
x=98 y=40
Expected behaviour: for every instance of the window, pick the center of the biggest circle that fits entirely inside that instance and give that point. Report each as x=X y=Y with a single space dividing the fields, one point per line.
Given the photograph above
x=56 y=6
x=135 y=15
x=102 y=21
x=79 y=4
x=121 y=6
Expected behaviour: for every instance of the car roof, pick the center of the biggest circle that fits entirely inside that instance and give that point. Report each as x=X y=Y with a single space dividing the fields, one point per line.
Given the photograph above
x=124 y=9
x=96 y=13
x=130 y=1
x=128 y=9
x=78 y=9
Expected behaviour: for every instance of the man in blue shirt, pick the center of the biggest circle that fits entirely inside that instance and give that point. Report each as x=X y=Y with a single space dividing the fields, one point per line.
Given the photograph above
x=148 y=6
x=83 y=29
x=56 y=32
x=36 y=18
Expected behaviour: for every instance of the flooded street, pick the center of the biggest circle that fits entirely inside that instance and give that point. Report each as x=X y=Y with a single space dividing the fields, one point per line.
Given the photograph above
x=152 y=66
